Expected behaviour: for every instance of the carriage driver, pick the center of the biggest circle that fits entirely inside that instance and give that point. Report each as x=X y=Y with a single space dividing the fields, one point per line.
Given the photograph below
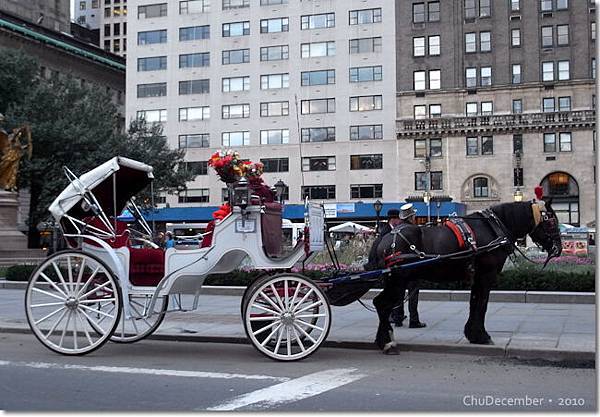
x=408 y=215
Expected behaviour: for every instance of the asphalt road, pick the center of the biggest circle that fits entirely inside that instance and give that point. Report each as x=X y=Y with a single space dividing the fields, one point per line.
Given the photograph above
x=185 y=376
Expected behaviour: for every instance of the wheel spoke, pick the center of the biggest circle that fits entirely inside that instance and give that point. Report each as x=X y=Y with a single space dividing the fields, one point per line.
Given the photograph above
x=53 y=285
x=279 y=337
x=277 y=297
x=264 y=318
x=312 y=326
x=75 y=346
x=46 y=317
x=102 y=313
x=80 y=275
x=59 y=303
x=83 y=326
x=95 y=325
x=64 y=330
x=60 y=276
x=294 y=307
x=310 y=316
x=268 y=310
x=296 y=293
x=87 y=282
x=49 y=294
x=264 y=342
x=264 y=329
x=298 y=339
x=101 y=300
x=309 y=337
x=55 y=325
x=286 y=298
x=268 y=299
x=95 y=289
x=288 y=340
x=315 y=304
x=70 y=274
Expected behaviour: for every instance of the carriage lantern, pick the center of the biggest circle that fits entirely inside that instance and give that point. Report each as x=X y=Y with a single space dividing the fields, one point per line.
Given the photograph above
x=241 y=193
x=518 y=195
x=280 y=188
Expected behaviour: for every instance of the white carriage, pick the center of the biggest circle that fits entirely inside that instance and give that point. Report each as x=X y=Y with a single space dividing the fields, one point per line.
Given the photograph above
x=115 y=284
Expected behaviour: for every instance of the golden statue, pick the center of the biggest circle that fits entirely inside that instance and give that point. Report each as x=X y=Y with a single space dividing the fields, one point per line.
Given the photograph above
x=12 y=147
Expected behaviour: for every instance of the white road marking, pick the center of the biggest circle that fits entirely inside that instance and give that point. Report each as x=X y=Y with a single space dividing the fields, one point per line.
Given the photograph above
x=142 y=371
x=293 y=390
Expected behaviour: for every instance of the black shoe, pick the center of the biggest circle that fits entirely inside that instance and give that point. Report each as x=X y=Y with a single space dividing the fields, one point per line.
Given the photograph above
x=416 y=325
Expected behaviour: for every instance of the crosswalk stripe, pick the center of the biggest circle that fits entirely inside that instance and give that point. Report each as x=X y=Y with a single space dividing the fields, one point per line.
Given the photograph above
x=293 y=390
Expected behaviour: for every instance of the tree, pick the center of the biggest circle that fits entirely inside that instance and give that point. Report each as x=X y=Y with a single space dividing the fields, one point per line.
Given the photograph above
x=18 y=73
x=79 y=127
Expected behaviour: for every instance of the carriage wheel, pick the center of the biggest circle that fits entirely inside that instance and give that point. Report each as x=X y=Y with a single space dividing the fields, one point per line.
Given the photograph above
x=286 y=317
x=138 y=326
x=61 y=302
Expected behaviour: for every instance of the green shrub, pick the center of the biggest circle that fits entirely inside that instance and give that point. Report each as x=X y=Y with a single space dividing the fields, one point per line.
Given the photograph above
x=19 y=272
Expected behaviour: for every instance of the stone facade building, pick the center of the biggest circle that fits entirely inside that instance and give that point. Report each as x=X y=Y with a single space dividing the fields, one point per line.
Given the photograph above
x=496 y=97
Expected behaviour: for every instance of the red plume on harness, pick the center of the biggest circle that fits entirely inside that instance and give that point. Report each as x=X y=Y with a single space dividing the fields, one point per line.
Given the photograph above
x=539 y=192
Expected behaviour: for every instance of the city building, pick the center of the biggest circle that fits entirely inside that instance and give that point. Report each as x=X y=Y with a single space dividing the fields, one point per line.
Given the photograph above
x=54 y=15
x=496 y=97
x=113 y=26
x=88 y=13
x=306 y=87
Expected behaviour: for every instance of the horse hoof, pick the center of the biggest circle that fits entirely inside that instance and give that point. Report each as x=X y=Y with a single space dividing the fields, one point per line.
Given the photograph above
x=391 y=351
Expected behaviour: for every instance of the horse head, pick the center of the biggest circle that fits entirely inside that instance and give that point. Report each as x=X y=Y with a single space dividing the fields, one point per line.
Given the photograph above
x=546 y=232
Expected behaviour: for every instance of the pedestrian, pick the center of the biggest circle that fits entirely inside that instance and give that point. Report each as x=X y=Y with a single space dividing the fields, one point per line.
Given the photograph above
x=169 y=241
x=408 y=216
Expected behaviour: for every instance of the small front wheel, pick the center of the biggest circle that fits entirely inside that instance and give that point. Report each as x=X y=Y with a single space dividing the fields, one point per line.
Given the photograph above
x=286 y=317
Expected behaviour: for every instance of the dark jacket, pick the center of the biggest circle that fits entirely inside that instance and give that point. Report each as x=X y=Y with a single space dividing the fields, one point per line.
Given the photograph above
x=384 y=229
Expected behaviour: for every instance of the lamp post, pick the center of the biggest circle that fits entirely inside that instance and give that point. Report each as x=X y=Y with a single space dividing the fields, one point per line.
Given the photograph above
x=427 y=194
x=377 y=205
x=280 y=188
x=518 y=195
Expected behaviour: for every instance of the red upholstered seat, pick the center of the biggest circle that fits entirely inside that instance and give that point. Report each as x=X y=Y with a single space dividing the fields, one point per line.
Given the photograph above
x=272 y=236
x=208 y=235
x=146 y=266
x=122 y=233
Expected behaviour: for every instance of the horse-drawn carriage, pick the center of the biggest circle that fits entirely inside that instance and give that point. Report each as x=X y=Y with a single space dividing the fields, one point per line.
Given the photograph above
x=115 y=284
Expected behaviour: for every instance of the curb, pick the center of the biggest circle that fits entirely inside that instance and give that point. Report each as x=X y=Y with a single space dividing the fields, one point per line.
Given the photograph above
x=550 y=297
x=554 y=356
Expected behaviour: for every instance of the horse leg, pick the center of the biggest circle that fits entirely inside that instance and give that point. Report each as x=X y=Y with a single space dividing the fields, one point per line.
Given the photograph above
x=480 y=293
x=384 y=303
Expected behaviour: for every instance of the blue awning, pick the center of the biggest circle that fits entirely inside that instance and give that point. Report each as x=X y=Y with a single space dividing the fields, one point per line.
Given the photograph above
x=343 y=211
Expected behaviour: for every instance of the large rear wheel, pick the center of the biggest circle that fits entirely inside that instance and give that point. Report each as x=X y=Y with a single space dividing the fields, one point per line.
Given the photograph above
x=61 y=302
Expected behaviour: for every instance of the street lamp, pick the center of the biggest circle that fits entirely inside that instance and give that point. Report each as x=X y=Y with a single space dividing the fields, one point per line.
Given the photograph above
x=280 y=188
x=518 y=195
x=377 y=205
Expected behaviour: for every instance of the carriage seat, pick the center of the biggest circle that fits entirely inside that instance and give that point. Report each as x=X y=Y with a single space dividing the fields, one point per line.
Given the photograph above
x=271 y=229
x=121 y=232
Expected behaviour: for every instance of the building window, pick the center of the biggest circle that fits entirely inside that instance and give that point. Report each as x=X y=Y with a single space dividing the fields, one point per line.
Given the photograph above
x=194 y=141
x=272 y=2
x=117 y=32
x=487 y=145
x=562 y=4
x=318 y=163
x=480 y=187
x=366 y=16
x=280 y=24
x=194 y=33
x=565 y=142
x=418 y=12
x=562 y=35
x=317 y=106
x=276 y=164
x=365 y=45
x=487 y=108
x=485 y=8
x=366 y=132
x=236 y=84
x=563 y=70
x=564 y=103
x=150 y=11
x=470 y=42
x=547 y=36
x=150 y=37
x=548 y=105
x=434 y=45
x=435 y=148
x=370 y=161
x=549 y=142
x=156 y=63
x=420 y=111
x=485 y=41
x=435 y=181
x=435 y=110
x=235 y=29
x=516 y=73
x=420 y=146
x=318 y=134
x=546 y=5
x=106 y=30
x=472 y=146
x=366 y=103
x=201 y=59
x=366 y=191
x=419 y=80
x=486 y=76
x=548 y=71
x=235 y=56
x=515 y=37
x=200 y=195
x=364 y=74
x=593 y=30
x=235 y=4
x=233 y=139
x=433 y=11
x=470 y=9
x=317 y=21
x=517 y=106
x=274 y=53
x=235 y=111
x=189 y=114
x=593 y=69
x=471 y=77
x=319 y=192
x=274 y=136
x=471 y=109
x=152 y=116
x=518 y=143
x=107 y=12
x=194 y=6
x=152 y=90
x=419 y=46
x=317 y=49
x=194 y=87
x=322 y=77
x=195 y=168
x=515 y=5
x=435 y=79
x=274 y=81
x=274 y=108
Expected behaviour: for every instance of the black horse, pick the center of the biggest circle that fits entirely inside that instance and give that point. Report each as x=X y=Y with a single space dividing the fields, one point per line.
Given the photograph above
x=495 y=231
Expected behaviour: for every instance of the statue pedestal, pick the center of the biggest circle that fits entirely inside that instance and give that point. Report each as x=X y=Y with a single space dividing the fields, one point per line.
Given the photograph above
x=11 y=239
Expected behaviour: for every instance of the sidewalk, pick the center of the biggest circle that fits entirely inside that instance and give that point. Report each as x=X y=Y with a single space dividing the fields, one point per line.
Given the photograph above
x=558 y=332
